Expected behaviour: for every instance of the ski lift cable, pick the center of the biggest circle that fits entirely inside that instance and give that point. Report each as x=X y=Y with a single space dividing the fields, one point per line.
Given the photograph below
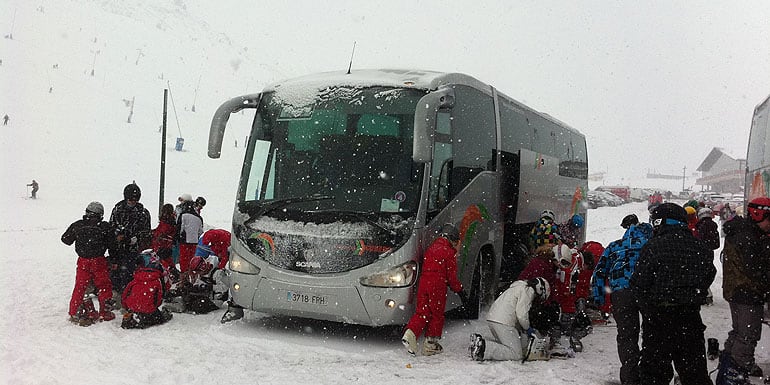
x=173 y=106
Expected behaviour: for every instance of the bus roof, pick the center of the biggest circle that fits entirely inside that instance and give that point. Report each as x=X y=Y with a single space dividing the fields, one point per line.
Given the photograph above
x=419 y=79
x=296 y=89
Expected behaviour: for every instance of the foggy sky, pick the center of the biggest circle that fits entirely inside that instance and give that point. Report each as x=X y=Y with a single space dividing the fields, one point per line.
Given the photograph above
x=653 y=85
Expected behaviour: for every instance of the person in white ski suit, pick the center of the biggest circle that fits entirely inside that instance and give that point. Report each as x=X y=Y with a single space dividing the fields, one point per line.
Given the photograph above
x=508 y=321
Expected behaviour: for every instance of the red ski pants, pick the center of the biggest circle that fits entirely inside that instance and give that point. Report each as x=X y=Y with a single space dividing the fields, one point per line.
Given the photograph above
x=186 y=252
x=91 y=269
x=431 y=303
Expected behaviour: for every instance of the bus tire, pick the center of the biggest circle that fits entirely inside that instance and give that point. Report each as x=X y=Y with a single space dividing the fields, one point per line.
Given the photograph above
x=477 y=293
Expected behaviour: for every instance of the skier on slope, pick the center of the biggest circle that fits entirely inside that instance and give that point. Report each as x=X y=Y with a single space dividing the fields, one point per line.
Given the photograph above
x=513 y=337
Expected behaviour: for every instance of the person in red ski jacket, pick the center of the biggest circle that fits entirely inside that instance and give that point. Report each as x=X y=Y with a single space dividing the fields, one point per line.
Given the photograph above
x=216 y=242
x=91 y=236
x=439 y=269
x=542 y=265
x=163 y=235
x=143 y=296
x=572 y=287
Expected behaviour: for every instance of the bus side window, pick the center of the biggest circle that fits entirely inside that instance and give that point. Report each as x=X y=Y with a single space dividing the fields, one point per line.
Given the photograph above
x=442 y=163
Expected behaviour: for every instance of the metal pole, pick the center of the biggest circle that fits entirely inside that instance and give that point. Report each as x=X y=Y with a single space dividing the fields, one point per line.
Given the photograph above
x=163 y=152
x=684 y=176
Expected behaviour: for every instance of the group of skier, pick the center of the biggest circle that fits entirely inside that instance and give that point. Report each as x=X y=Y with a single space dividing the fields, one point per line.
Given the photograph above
x=548 y=300
x=659 y=272
x=133 y=268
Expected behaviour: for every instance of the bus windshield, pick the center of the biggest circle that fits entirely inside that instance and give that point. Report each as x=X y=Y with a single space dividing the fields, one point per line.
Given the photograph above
x=347 y=149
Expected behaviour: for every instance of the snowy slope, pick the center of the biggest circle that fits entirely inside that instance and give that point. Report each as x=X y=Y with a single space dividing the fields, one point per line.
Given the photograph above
x=76 y=142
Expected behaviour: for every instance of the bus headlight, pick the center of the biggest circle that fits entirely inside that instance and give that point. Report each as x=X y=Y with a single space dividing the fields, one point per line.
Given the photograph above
x=399 y=276
x=240 y=265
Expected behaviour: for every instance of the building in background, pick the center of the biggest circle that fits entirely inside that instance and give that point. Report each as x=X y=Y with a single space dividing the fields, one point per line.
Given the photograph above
x=721 y=172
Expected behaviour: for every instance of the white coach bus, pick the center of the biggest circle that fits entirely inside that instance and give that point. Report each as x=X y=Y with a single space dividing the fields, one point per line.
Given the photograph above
x=758 y=154
x=348 y=177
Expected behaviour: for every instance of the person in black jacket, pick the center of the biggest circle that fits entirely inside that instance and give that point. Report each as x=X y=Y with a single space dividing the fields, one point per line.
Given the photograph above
x=706 y=230
x=670 y=283
x=91 y=236
x=133 y=233
x=746 y=286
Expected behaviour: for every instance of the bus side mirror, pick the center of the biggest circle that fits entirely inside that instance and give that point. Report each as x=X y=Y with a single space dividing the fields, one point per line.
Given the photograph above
x=222 y=115
x=425 y=118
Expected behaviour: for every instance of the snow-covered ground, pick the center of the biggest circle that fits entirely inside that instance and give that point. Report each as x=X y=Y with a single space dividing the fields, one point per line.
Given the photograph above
x=69 y=131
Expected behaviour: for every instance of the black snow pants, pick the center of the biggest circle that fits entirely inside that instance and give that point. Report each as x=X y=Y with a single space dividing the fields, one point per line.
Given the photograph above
x=673 y=334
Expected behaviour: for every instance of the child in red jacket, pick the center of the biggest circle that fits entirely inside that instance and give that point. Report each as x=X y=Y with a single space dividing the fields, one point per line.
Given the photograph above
x=163 y=236
x=439 y=269
x=571 y=289
x=144 y=295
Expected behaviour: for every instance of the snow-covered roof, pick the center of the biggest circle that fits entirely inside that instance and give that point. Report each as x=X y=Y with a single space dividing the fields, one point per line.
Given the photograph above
x=712 y=158
x=420 y=79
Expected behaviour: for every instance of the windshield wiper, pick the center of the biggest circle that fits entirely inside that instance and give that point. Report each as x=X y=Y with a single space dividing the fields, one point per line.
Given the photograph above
x=273 y=205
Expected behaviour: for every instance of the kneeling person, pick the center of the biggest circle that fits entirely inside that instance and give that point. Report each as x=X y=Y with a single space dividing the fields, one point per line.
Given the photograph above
x=195 y=290
x=508 y=321
x=143 y=296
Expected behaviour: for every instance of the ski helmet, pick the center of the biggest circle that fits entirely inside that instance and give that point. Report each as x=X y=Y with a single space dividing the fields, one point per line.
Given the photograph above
x=95 y=209
x=200 y=201
x=449 y=231
x=151 y=260
x=132 y=191
x=578 y=221
x=563 y=255
x=547 y=214
x=185 y=197
x=690 y=210
x=541 y=287
x=629 y=220
x=759 y=209
x=198 y=265
x=705 y=212
x=668 y=214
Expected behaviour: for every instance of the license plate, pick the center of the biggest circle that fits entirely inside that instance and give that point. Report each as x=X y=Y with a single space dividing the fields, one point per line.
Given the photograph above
x=307 y=298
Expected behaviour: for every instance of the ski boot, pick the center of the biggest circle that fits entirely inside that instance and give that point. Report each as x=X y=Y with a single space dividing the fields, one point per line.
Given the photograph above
x=88 y=309
x=575 y=344
x=234 y=312
x=431 y=346
x=80 y=320
x=477 y=347
x=409 y=340
x=730 y=373
x=538 y=349
x=712 y=351
x=106 y=315
x=130 y=321
x=165 y=315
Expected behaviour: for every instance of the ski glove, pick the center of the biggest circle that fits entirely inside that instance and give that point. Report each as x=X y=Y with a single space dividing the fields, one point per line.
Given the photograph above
x=531 y=331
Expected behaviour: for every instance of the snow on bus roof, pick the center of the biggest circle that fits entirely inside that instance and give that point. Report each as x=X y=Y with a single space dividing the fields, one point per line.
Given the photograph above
x=303 y=90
